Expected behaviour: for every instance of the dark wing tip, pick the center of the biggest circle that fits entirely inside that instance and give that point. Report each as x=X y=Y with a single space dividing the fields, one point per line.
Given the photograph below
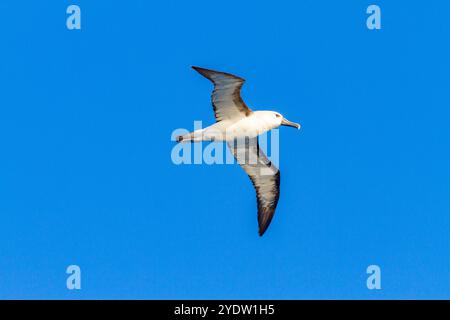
x=264 y=218
x=197 y=68
x=207 y=72
x=204 y=72
x=266 y=212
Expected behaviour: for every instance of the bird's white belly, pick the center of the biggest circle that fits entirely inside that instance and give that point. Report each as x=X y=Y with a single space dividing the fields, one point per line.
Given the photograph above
x=227 y=131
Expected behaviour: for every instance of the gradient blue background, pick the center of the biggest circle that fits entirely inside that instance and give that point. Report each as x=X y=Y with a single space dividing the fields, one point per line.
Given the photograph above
x=86 y=175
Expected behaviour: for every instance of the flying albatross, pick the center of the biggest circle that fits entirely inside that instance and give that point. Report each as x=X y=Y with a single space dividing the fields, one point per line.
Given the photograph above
x=239 y=126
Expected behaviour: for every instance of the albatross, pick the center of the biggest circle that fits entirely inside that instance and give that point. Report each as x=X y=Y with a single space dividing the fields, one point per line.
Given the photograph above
x=240 y=127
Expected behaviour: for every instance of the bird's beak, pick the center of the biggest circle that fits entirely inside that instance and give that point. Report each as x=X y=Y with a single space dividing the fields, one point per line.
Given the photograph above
x=286 y=122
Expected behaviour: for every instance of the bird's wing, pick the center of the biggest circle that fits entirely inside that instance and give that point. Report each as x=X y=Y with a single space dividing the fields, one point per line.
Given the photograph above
x=264 y=176
x=226 y=96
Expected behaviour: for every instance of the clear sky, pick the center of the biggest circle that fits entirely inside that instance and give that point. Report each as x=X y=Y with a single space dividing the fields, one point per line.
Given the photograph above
x=86 y=176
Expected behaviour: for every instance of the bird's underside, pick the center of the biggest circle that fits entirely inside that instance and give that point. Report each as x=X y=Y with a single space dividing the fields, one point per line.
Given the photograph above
x=230 y=108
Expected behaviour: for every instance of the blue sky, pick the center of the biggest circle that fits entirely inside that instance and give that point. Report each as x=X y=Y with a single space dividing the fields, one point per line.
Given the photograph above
x=86 y=175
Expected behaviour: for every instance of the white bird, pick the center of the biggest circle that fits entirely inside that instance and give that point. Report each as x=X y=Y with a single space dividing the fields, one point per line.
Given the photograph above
x=239 y=126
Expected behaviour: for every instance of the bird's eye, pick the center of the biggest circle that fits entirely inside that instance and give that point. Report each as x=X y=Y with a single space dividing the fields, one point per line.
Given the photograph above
x=277 y=115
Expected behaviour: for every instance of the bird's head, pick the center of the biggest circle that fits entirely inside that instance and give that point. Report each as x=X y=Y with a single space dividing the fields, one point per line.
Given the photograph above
x=282 y=121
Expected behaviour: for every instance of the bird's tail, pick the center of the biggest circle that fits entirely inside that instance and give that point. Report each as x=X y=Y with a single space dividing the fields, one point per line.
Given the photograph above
x=194 y=136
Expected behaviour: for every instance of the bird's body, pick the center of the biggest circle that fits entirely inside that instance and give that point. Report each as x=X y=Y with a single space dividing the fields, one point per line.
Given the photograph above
x=240 y=127
x=251 y=126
